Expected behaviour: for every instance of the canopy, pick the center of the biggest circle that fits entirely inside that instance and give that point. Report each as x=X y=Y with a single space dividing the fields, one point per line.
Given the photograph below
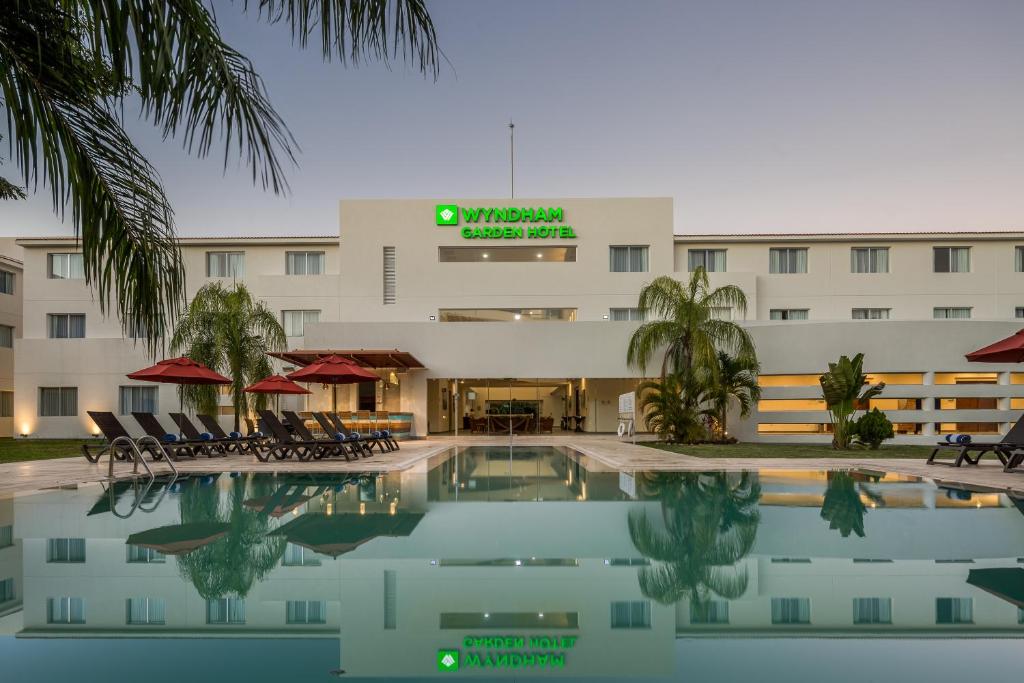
x=1006 y=583
x=338 y=534
x=1009 y=350
x=179 y=371
x=179 y=539
x=333 y=370
x=276 y=384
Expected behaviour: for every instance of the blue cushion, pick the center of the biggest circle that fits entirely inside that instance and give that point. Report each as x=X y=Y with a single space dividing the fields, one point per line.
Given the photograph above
x=258 y=435
x=235 y=435
x=386 y=432
x=355 y=435
x=170 y=438
x=206 y=436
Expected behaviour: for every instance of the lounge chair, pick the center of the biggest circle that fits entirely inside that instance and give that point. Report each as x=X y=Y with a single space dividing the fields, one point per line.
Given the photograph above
x=370 y=440
x=356 y=445
x=373 y=434
x=111 y=428
x=192 y=434
x=232 y=442
x=176 y=447
x=1007 y=449
x=330 y=444
x=284 y=444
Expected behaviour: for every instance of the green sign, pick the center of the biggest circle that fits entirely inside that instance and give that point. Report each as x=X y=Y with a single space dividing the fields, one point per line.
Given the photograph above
x=506 y=222
x=507 y=652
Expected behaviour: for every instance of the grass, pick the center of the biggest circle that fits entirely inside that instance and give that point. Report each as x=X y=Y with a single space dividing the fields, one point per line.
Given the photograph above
x=19 y=450
x=786 y=450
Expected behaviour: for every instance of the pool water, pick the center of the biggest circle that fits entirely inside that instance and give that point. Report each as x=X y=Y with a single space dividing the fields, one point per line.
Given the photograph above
x=514 y=563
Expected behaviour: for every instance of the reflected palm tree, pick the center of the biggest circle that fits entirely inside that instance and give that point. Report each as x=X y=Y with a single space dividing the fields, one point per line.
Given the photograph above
x=245 y=554
x=843 y=507
x=708 y=524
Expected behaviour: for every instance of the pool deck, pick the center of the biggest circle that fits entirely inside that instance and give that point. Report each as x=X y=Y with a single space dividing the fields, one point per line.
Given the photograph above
x=601 y=452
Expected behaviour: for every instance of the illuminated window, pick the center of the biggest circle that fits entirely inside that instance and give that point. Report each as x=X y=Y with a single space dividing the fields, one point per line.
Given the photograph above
x=790 y=404
x=896 y=377
x=459 y=621
x=504 y=315
x=894 y=403
x=794 y=428
x=966 y=378
x=967 y=428
x=790 y=380
x=506 y=254
x=966 y=403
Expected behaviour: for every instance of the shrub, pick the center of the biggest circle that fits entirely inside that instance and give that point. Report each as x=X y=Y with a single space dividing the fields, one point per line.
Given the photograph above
x=873 y=428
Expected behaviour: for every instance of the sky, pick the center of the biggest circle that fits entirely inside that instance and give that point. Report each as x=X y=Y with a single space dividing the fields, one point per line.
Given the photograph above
x=754 y=116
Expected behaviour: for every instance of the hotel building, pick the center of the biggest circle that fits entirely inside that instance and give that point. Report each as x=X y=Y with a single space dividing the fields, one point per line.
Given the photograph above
x=473 y=307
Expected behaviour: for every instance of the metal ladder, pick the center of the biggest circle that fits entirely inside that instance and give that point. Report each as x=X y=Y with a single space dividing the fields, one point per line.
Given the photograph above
x=137 y=457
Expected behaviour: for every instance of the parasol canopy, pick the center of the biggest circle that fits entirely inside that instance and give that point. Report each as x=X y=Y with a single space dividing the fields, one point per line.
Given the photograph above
x=1006 y=583
x=336 y=535
x=179 y=371
x=276 y=384
x=1009 y=350
x=179 y=539
x=333 y=370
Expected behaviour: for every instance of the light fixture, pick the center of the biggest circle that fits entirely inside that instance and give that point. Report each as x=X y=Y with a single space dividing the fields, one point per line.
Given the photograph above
x=605 y=316
x=540 y=615
x=486 y=255
x=519 y=563
x=487 y=615
x=518 y=316
x=540 y=255
x=433 y=317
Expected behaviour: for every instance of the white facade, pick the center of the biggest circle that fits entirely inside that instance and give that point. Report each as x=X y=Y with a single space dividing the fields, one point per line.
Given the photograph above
x=541 y=319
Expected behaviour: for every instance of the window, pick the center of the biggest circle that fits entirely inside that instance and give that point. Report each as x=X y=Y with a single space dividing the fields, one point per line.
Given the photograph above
x=305 y=612
x=506 y=254
x=6 y=282
x=304 y=262
x=65 y=325
x=952 y=259
x=133 y=399
x=65 y=267
x=137 y=554
x=954 y=611
x=225 y=611
x=712 y=611
x=871 y=313
x=6 y=590
x=295 y=321
x=628 y=259
x=65 y=550
x=791 y=610
x=1018 y=261
x=787 y=260
x=144 y=611
x=951 y=312
x=625 y=314
x=297 y=556
x=712 y=260
x=6 y=536
x=1018 y=312
x=390 y=600
x=869 y=260
x=631 y=614
x=872 y=610
x=6 y=406
x=788 y=314
x=225 y=264
x=7 y=336
x=137 y=330
x=466 y=621
x=505 y=315
x=58 y=401
x=721 y=312
x=65 y=610
x=390 y=275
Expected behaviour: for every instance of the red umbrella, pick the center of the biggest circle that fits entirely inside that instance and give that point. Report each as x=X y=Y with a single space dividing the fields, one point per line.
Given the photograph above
x=276 y=384
x=1009 y=350
x=179 y=371
x=333 y=370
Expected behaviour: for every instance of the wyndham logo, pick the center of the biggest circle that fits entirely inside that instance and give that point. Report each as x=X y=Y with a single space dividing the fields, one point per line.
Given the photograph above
x=447 y=214
x=447 y=660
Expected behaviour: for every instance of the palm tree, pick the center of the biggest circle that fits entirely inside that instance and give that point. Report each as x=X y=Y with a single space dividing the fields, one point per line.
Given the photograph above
x=737 y=381
x=843 y=388
x=68 y=68
x=231 y=333
x=672 y=407
x=245 y=554
x=842 y=506
x=710 y=523
x=687 y=326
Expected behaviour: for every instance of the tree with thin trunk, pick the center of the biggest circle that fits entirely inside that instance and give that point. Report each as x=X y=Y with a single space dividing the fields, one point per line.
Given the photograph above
x=69 y=70
x=737 y=383
x=685 y=322
x=231 y=332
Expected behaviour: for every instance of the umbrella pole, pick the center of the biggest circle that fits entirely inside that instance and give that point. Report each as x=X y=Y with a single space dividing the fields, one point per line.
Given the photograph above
x=334 y=398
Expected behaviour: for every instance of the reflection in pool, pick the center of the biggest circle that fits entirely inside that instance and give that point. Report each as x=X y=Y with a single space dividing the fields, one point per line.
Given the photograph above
x=584 y=573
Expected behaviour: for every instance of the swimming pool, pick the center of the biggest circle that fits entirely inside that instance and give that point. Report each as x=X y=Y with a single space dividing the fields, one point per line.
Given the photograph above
x=516 y=563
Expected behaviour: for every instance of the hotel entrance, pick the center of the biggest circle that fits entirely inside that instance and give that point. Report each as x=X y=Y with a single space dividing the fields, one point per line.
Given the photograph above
x=507 y=406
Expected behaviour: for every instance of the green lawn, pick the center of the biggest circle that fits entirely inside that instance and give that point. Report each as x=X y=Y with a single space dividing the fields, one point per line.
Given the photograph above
x=786 y=450
x=16 y=450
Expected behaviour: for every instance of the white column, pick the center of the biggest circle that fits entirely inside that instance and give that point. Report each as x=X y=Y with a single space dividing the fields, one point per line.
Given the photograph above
x=414 y=400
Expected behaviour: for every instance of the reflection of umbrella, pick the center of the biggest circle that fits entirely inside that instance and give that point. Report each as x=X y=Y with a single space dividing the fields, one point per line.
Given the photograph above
x=336 y=535
x=179 y=371
x=1009 y=350
x=276 y=508
x=179 y=539
x=333 y=370
x=1006 y=583
x=277 y=385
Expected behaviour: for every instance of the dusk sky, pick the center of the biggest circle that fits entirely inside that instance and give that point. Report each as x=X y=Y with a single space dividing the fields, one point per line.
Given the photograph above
x=755 y=116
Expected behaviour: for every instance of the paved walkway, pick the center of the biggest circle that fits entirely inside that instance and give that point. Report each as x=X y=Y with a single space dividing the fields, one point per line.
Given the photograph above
x=600 y=452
